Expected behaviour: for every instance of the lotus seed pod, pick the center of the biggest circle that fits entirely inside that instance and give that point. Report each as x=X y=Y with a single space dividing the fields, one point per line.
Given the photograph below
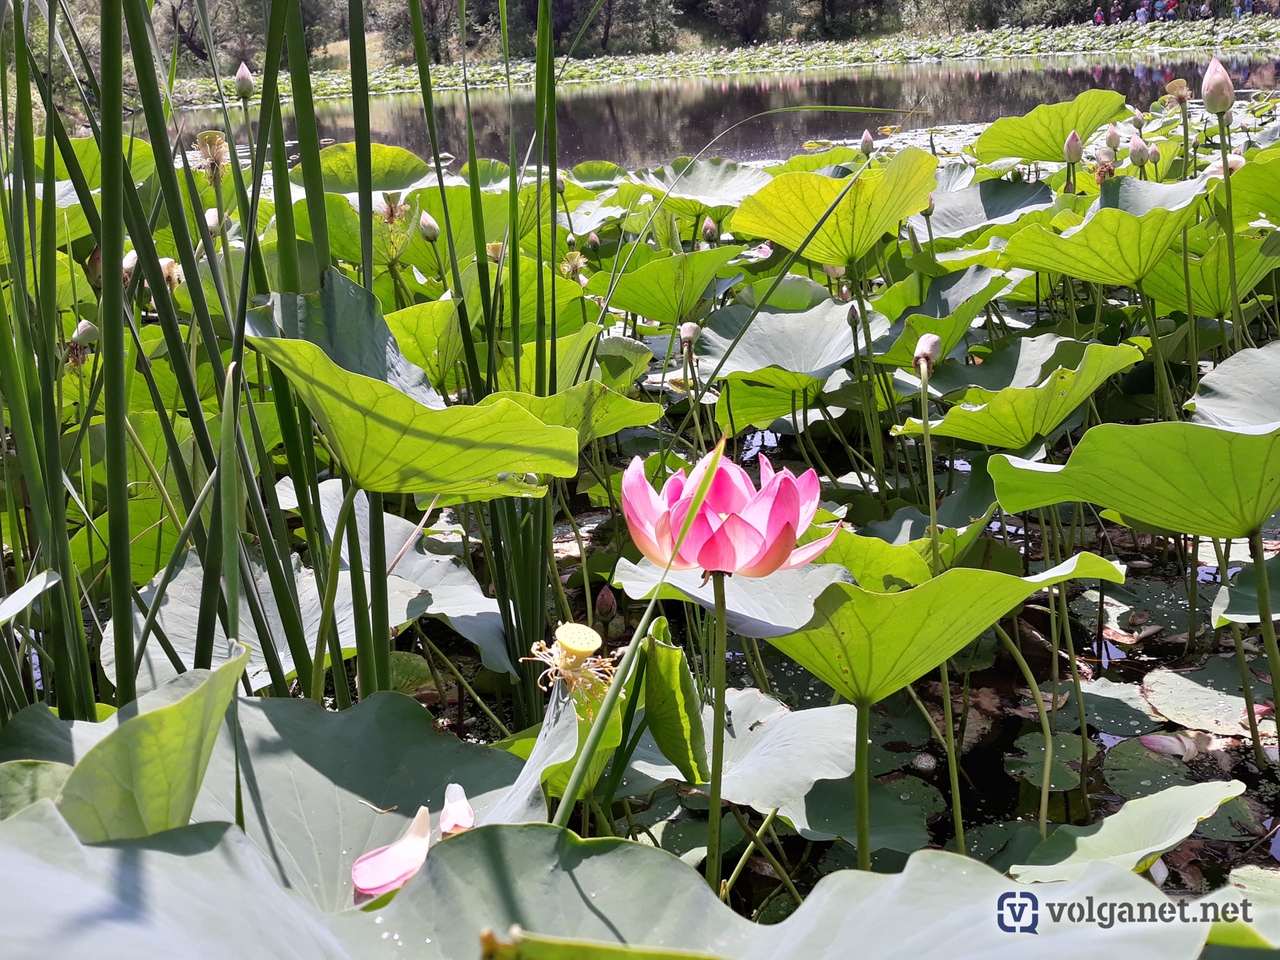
x=577 y=641
x=130 y=264
x=606 y=604
x=244 y=83
x=689 y=333
x=1139 y=152
x=1217 y=90
x=710 y=233
x=928 y=351
x=1073 y=149
x=868 y=143
x=593 y=242
x=86 y=334
x=833 y=272
x=93 y=268
x=428 y=227
x=1113 y=137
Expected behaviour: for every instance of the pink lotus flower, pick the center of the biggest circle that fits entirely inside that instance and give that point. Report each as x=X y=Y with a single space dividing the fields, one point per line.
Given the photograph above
x=737 y=530
x=1217 y=90
x=389 y=868
x=1234 y=161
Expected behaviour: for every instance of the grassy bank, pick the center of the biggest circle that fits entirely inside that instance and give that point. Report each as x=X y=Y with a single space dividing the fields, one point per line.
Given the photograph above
x=784 y=57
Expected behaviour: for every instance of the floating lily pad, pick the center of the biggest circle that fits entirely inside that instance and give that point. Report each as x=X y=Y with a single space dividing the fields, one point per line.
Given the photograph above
x=898 y=815
x=1064 y=770
x=1210 y=698
x=1133 y=771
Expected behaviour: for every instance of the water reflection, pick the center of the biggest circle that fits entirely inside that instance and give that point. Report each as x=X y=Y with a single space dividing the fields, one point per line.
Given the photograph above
x=637 y=124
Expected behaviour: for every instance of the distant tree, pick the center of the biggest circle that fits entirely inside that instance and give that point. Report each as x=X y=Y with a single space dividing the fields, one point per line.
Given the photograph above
x=439 y=28
x=744 y=18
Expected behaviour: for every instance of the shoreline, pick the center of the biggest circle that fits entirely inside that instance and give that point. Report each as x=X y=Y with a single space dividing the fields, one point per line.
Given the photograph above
x=1257 y=33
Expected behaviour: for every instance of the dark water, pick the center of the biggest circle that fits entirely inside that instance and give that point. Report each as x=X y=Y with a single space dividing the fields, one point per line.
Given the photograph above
x=640 y=124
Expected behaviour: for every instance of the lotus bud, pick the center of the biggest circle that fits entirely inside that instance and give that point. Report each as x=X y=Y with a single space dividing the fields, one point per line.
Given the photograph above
x=928 y=210
x=1073 y=149
x=928 y=352
x=86 y=334
x=213 y=221
x=853 y=316
x=1139 y=152
x=845 y=294
x=1113 y=137
x=570 y=242
x=244 y=83
x=130 y=264
x=93 y=268
x=689 y=334
x=1217 y=90
x=1153 y=155
x=428 y=227
x=606 y=604
x=710 y=233
x=1229 y=118
x=593 y=242
x=1106 y=155
x=1139 y=120
x=560 y=184
x=457 y=814
x=172 y=273
x=868 y=143
x=833 y=272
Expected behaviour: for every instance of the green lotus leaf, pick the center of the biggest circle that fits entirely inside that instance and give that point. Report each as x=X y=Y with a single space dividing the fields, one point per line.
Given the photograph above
x=24 y=782
x=875 y=564
x=946 y=307
x=808 y=162
x=568 y=357
x=959 y=213
x=1133 y=838
x=1120 y=241
x=1210 y=276
x=867 y=645
x=1255 y=193
x=1210 y=698
x=668 y=290
x=1012 y=362
x=394 y=169
x=789 y=207
x=489 y=174
x=1183 y=477
x=429 y=336
x=1016 y=416
x=590 y=408
x=622 y=362
x=699 y=188
x=566 y=293
x=672 y=706
x=1040 y=134
x=137 y=151
x=1242 y=390
x=142 y=778
x=597 y=174
x=829 y=810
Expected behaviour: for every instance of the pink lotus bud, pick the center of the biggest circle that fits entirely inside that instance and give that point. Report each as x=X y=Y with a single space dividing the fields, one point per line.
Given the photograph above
x=928 y=211
x=428 y=227
x=457 y=814
x=1138 y=119
x=689 y=333
x=1139 y=152
x=1113 y=137
x=1153 y=154
x=244 y=83
x=86 y=334
x=710 y=233
x=606 y=604
x=1229 y=118
x=560 y=185
x=93 y=269
x=928 y=351
x=1217 y=90
x=593 y=242
x=868 y=143
x=833 y=272
x=1073 y=149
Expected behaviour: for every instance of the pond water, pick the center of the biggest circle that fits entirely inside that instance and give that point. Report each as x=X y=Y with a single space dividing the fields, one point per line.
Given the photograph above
x=640 y=124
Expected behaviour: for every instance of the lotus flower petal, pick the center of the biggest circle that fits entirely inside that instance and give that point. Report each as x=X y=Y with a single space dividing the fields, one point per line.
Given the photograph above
x=389 y=868
x=457 y=814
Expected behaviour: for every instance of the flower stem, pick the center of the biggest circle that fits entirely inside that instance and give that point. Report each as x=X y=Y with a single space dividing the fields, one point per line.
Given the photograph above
x=1257 y=553
x=718 y=656
x=928 y=466
x=862 y=784
x=1224 y=145
x=330 y=597
x=1224 y=568
x=1044 y=723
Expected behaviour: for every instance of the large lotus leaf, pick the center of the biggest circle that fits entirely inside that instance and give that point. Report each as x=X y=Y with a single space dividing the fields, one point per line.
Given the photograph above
x=667 y=290
x=429 y=335
x=1183 y=477
x=875 y=564
x=597 y=174
x=200 y=891
x=590 y=408
x=546 y=880
x=789 y=207
x=697 y=188
x=1015 y=416
x=154 y=534
x=794 y=351
x=452 y=593
x=829 y=810
x=18 y=600
x=1120 y=241
x=866 y=645
x=137 y=152
x=1040 y=134
x=1132 y=838
x=142 y=778
x=394 y=169
x=564 y=292
x=765 y=607
x=393 y=242
x=1243 y=390
x=314 y=783
x=345 y=321
x=622 y=361
x=1210 y=698
x=948 y=307
x=569 y=358
x=1210 y=276
x=793 y=292
x=427 y=257
x=1014 y=362
x=389 y=442
x=179 y=617
x=839 y=155
x=1255 y=193
x=772 y=755
x=673 y=707
x=958 y=213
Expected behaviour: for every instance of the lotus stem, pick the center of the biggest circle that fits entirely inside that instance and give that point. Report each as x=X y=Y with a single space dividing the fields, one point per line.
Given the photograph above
x=718 y=655
x=1164 y=392
x=1258 y=555
x=331 y=596
x=862 y=783
x=1044 y=723
x=1224 y=146
x=924 y=369
x=1246 y=684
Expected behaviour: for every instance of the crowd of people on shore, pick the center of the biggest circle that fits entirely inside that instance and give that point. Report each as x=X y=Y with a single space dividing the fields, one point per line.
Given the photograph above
x=1165 y=11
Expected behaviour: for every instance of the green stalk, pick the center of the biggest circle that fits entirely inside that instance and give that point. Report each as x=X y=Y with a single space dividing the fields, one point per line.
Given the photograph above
x=330 y=596
x=719 y=653
x=1237 y=318
x=1246 y=684
x=862 y=783
x=229 y=493
x=1268 y=625
x=1164 y=392
x=1044 y=724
